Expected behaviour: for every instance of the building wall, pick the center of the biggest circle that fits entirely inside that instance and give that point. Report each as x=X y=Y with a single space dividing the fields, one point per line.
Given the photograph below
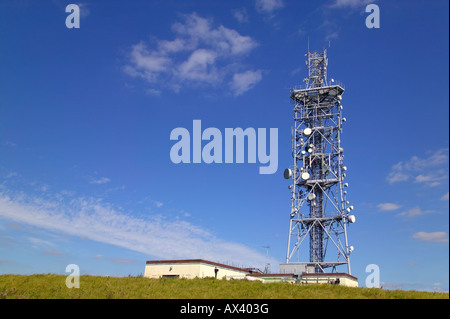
x=190 y=271
x=203 y=269
x=349 y=282
x=343 y=281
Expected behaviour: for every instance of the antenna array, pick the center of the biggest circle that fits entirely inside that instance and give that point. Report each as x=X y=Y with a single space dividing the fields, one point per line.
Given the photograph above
x=319 y=209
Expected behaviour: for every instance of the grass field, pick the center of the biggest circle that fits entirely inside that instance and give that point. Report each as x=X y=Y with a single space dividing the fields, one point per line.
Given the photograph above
x=93 y=287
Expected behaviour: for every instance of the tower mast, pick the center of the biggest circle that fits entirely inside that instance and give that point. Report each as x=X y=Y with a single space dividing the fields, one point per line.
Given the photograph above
x=319 y=208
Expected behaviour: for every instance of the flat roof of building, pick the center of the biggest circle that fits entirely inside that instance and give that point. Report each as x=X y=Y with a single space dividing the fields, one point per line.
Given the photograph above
x=197 y=261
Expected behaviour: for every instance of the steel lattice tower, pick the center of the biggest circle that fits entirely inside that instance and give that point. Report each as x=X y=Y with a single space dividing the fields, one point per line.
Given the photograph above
x=319 y=210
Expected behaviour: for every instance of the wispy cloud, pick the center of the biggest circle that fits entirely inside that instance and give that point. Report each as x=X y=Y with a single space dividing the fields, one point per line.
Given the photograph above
x=244 y=81
x=335 y=11
x=10 y=175
x=84 y=10
x=200 y=54
x=241 y=15
x=123 y=260
x=445 y=197
x=350 y=3
x=440 y=237
x=53 y=252
x=431 y=171
x=10 y=144
x=268 y=6
x=413 y=212
x=388 y=206
x=40 y=242
x=93 y=219
x=101 y=180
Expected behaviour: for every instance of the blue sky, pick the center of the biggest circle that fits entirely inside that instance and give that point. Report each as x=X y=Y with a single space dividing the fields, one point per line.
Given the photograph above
x=86 y=115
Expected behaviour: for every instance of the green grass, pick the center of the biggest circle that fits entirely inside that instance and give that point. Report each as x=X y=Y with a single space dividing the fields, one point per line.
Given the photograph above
x=94 y=287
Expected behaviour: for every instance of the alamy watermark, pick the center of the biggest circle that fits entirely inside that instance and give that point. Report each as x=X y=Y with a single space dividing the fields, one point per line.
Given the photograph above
x=373 y=279
x=73 y=280
x=216 y=152
x=373 y=19
x=73 y=19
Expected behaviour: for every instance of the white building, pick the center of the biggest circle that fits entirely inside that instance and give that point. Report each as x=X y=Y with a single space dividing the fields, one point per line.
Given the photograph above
x=200 y=268
x=192 y=268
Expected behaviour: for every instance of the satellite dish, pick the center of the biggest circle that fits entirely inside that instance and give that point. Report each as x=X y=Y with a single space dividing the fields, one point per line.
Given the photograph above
x=293 y=212
x=305 y=176
x=339 y=97
x=307 y=131
x=351 y=218
x=351 y=248
x=346 y=185
x=311 y=196
x=287 y=173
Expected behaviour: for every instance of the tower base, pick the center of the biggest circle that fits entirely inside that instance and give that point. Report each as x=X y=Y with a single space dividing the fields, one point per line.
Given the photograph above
x=305 y=272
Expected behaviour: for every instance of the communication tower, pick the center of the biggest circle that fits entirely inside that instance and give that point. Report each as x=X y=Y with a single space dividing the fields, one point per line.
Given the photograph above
x=320 y=212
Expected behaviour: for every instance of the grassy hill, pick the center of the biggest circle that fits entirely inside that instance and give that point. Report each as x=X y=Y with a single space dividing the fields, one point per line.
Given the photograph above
x=94 y=287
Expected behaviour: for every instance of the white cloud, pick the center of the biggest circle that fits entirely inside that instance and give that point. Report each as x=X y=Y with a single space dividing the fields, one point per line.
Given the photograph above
x=101 y=180
x=200 y=66
x=10 y=175
x=200 y=53
x=395 y=177
x=441 y=237
x=153 y=92
x=90 y=218
x=440 y=157
x=350 y=3
x=123 y=260
x=244 y=81
x=423 y=178
x=445 y=197
x=146 y=64
x=39 y=242
x=177 y=45
x=431 y=171
x=335 y=11
x=268 y=6
x=53 y=252
x=241 y=15
x=413 y=212
x=84 y=10
x=431 y=180
x=388 y=206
